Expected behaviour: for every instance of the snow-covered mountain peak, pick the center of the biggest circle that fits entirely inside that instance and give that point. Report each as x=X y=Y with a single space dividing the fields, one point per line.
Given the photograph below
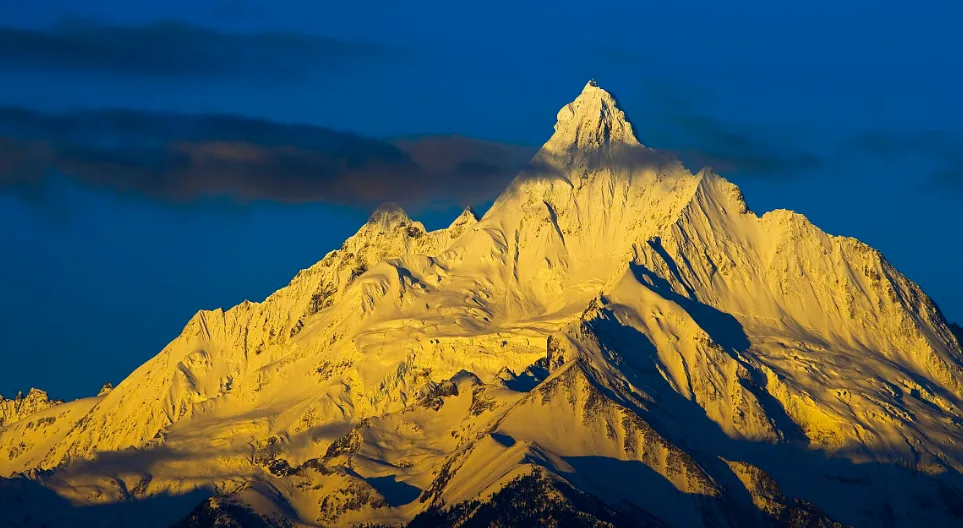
x=614 y=322
x=389 y=214
x=467 y=216
x=593 y=119
x=465 y=220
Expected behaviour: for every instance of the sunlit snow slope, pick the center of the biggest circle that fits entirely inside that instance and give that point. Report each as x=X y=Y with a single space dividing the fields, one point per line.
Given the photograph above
x=616 y=342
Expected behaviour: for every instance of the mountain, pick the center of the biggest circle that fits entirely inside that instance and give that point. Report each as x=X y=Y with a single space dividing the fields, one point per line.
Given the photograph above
x=617 y=342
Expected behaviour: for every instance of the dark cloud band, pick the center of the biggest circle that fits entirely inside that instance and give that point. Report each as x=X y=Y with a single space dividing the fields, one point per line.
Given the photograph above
x=175 y=49
x=181 y=158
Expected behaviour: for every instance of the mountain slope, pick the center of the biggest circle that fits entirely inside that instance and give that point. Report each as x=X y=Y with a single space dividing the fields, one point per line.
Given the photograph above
x=617 y=341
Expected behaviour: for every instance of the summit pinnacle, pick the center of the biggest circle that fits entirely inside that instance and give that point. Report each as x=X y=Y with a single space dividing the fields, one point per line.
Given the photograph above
x=593 y=119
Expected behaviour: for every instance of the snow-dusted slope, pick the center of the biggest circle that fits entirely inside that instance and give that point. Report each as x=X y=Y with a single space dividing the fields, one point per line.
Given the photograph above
x=616 y=341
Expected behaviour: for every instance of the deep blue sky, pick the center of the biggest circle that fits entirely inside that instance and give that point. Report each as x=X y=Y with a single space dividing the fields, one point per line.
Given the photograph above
x=847 y=112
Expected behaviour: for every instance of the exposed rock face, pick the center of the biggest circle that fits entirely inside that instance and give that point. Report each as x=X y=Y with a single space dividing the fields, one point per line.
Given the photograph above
x=21 y=406
x=617 y=341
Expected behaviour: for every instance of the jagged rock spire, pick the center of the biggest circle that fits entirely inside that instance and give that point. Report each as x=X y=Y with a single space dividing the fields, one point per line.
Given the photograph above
x=465 y=220
x=467 y=216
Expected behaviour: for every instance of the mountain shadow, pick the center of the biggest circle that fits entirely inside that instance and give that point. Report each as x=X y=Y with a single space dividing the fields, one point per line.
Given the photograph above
x=722 y=328
x=395 y=492
x=217 y=513
x=957 y=331
x=814 y=481
x=529 y=501
x=25 y=503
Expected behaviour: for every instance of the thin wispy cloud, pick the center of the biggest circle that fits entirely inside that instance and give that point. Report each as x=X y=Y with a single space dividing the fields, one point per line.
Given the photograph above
x=939 y=153
x=740 y=148
x=682 y=121
x=173 y=48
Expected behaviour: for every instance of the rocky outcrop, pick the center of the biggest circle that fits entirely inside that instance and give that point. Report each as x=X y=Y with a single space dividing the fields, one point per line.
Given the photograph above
x=22 y=406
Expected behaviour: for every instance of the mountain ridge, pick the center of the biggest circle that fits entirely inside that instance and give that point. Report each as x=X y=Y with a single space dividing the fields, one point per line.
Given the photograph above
x=610 y=314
